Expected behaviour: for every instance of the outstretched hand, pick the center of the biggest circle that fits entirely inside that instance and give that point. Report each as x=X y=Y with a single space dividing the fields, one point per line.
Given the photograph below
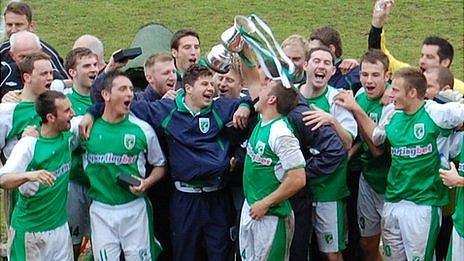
x=382 y=9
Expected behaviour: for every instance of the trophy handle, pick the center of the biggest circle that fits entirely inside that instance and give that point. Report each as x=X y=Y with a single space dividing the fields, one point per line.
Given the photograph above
x=266 y=52
x=232 y=39
x=219 y=59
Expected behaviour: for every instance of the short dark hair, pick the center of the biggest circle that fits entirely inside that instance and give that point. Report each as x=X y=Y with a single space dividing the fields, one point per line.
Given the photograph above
x=373 y=56
x=328 y=36
x=320 y=48
x=413 y=78
x=194 y=72
x=445 y=49
x=287 y=98
x=107 y=84
x=45 y=103
x=19 y=8
x=444 y=76
x=26 y=65
x=76 y=54
x=180 y=34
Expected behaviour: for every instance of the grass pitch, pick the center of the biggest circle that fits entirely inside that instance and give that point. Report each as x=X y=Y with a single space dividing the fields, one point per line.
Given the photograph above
x=117 y=21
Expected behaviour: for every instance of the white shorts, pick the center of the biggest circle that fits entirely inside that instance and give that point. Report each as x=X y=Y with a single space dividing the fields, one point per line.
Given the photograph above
x=78 y=211
x=53 y=244
x=127 y=227
x=409 y=231
x=329 y=223
x=266 y=239
x=456 y=246
x=369 y=209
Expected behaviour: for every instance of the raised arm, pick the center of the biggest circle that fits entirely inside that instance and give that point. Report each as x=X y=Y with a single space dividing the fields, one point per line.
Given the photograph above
x=380 y=13
x=250 y=75
x=377 y=39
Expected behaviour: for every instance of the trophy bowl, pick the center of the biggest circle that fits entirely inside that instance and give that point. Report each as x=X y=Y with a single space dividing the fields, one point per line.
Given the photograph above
x=219 y=59
x=231 y=38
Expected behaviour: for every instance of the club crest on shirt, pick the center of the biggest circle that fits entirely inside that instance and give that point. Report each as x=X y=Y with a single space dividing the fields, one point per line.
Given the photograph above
x=419 y=130
x=204 y=124
x=129 y=141
x=260 y=147
x=373 y=117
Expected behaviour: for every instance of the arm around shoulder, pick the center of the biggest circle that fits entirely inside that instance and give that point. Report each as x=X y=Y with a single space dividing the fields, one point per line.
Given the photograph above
x=14 y=174
x=447 y=116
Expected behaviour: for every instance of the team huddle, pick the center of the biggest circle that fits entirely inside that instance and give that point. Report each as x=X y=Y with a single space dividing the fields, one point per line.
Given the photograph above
x=235 y=165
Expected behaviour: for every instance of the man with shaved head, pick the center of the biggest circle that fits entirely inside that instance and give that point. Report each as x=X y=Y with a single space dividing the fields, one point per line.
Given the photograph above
x=94 y=44
x=22 y=43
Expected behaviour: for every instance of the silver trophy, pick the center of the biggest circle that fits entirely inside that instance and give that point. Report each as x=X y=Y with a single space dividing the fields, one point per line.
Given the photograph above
x=220 y=56
x=268 y=52
x=219 y=59
x=232 y=39
x=259 y=37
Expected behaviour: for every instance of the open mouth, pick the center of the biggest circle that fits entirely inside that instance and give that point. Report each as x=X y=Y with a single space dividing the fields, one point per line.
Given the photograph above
x=208 y=96
x=127 y=104
x=192 y=60
x=369 y=88
x=319 y=76
x=170 y=85
x=92 y=77
x=223 y=91
x=48 y=85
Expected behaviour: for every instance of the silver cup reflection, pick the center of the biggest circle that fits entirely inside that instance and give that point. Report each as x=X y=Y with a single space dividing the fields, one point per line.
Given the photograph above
x=231 y=38
x=219 y=59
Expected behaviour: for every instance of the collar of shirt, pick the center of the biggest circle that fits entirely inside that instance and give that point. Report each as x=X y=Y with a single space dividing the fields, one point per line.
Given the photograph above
x=183 y=107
